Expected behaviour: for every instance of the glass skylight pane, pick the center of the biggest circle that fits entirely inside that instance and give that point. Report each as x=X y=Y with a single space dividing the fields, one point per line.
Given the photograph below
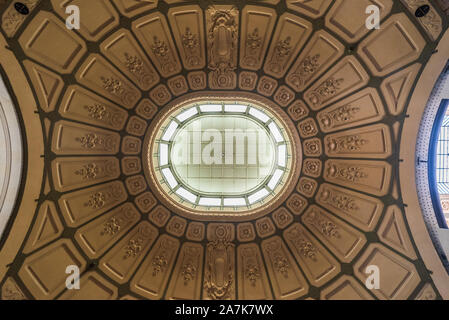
x=187 y=114
x=235 y=108
x=186 y=194
x=234 y=202
x=163 y=154
x=276 y=132
x=259 y=115
x=168 y=135
x=169 y=177
x=259 y=195
x=211 y=108
x=282 y=155
x=275 y=179
x=213 y=202
x=227 y=156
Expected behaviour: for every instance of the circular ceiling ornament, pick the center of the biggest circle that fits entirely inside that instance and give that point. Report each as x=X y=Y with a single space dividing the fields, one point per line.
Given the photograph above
x=222 y=155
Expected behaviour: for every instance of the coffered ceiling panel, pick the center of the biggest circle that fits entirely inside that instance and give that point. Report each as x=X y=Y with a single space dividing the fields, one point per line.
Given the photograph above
x=154 y=34
x=345 y=288
x=401 y=275
x=96 y=287
x=349 y=112
x=289 y=38
x=257 y=27
x=398 y=29
x=186 y=284
x=49 y=43
x=322 y=51
x=124 y=51
x=287 y=280
x=318 y=264
x=312 y=8
x=79 y=206
x=83 y=105
x=348 y=18
x=130 y=8
x=48 y=84
x=34 y=272
x=188 y=29
x=99 y=17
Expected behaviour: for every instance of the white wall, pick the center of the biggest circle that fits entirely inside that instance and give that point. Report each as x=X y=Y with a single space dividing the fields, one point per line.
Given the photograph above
x=11 y=156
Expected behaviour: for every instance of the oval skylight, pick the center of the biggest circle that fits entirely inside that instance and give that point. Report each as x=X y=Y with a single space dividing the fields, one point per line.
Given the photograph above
x=221 y=156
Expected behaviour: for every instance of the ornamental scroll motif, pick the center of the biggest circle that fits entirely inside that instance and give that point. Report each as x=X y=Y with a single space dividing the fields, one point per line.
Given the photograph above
x=189 y=269
x=347 y=172
x=252 y=269
x=306 y=68
x=104 y=114
x=339 y=116
x=222 y=38
x=350 y=143
x=324 y=225
x=163 y=53
x=219 y=270
x=136 y=66
x=277 y=255
x=119 y=221
x=301 y=243
x=162 y=258
x=192 y=48
x=253 y=46
x=326 y=90
x=340 y=201
x=281 y=54
x=118 y=89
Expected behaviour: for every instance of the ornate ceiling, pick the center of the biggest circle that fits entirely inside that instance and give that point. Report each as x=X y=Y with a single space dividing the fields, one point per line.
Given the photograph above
x=97 y=91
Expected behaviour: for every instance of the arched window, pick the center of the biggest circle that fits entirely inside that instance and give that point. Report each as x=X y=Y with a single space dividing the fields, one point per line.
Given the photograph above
x=432 y=165
x=439 y=164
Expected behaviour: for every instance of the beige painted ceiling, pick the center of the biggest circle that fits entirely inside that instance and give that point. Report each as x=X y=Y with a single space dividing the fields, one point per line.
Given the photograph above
x=96 y=91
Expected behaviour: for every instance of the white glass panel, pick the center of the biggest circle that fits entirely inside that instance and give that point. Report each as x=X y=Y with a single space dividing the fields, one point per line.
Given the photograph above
x=275 y=179
x=235 y=108
x=168 y=175
x=213 y=202
x=259 y=195
x=187 y=114
x=211 y=108
x=259 y=115
x=234 y=202
x=186 y=194
x=163 y=154
x=209 y=157
x=276 y=132
x=282 y=155
x=168 y=135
